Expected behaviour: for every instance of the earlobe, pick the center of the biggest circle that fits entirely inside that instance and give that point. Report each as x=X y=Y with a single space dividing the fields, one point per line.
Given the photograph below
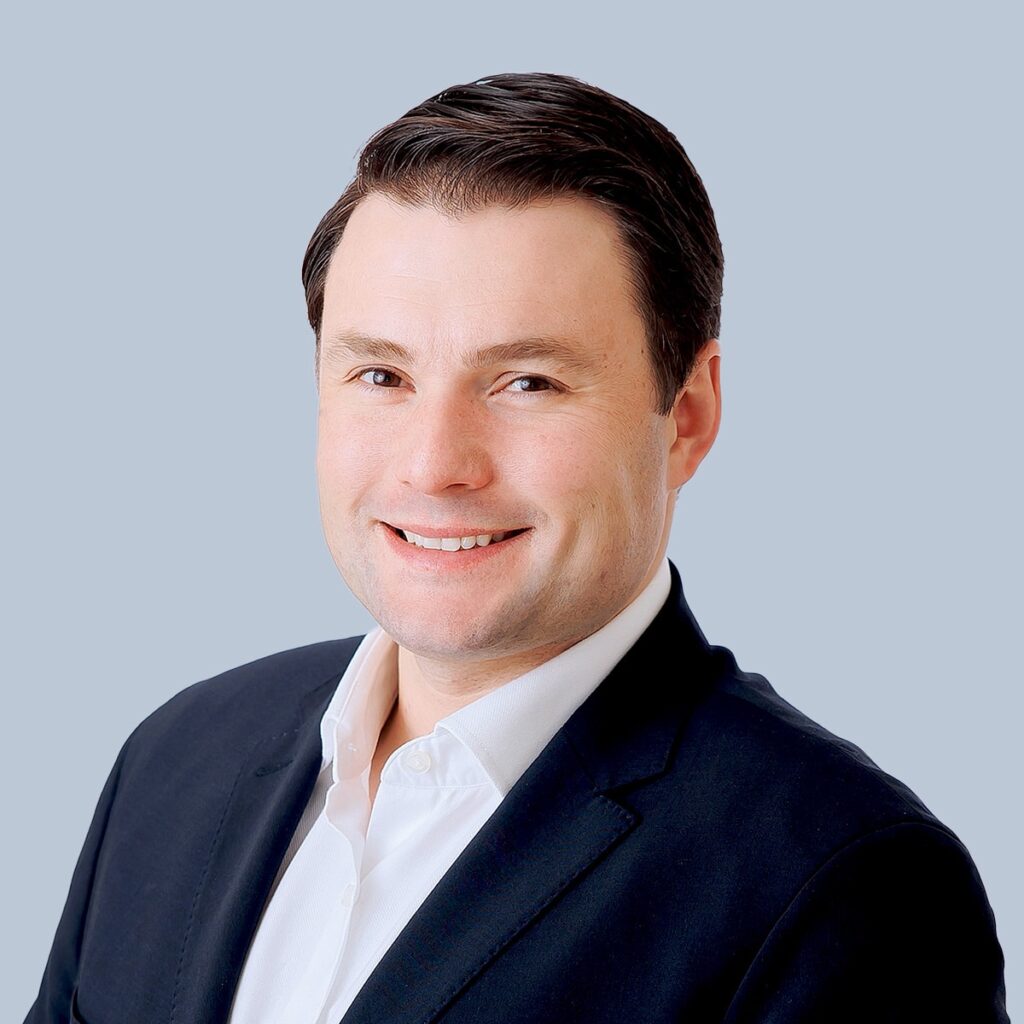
x=696 y=415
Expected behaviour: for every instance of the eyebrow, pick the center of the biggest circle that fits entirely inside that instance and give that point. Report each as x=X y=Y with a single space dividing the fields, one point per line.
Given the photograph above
x=357 y=345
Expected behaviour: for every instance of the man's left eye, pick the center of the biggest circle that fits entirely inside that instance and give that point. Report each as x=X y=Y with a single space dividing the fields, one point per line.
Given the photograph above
x=530 y=384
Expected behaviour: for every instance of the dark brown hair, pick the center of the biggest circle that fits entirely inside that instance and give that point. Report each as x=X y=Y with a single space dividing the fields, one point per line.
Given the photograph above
x=514 y=139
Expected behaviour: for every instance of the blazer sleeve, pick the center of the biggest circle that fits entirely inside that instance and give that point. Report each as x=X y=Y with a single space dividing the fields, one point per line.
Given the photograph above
x=896 y=926
x=60 y=976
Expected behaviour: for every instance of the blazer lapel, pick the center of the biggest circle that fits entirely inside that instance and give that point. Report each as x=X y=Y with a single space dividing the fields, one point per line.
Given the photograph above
x=270 y=792
x=555 y=823
x=505 y=877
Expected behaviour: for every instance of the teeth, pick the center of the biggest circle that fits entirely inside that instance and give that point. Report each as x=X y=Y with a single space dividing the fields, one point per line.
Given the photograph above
x=480 y=540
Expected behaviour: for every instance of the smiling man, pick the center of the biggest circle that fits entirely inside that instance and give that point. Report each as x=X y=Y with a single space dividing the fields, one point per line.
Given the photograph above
x=534 y=792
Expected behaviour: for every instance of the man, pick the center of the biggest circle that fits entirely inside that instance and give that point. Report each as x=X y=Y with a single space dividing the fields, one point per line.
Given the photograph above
x=535 y=792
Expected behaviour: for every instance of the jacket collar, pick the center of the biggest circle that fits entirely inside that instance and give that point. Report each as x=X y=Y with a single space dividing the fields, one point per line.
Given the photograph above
x=625 y=732
x=270 y=791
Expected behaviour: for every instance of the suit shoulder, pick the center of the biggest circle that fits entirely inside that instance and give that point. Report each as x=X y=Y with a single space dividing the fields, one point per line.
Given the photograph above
x=788 y=760
x=268 y=692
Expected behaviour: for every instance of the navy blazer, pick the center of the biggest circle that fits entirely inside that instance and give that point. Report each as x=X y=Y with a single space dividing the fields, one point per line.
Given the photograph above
x=687 y=848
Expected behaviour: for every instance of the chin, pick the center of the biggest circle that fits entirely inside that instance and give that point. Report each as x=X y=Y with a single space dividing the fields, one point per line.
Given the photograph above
x=453 y=637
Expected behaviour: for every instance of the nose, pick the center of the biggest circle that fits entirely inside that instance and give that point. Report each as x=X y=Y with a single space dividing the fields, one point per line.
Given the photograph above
x=446 y=449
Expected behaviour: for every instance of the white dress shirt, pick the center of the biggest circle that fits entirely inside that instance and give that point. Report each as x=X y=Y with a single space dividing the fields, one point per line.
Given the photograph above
x=352 y=878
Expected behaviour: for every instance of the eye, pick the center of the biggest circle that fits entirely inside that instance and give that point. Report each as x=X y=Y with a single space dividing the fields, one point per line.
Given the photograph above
x=530 y=384
x=381 y=378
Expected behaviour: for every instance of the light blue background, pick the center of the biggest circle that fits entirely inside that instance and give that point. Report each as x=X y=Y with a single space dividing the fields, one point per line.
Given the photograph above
x=854 y=535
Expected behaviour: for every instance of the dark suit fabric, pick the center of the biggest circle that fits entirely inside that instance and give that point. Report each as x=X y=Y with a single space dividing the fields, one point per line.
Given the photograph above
x=688 y=847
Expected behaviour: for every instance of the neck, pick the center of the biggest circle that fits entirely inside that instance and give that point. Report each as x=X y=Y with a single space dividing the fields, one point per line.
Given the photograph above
x=430 y=690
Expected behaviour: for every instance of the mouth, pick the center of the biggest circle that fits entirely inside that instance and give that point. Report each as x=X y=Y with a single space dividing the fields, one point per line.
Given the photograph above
x=460 y=542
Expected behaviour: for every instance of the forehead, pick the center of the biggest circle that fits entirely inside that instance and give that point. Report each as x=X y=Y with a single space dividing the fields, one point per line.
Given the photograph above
x=555 y=266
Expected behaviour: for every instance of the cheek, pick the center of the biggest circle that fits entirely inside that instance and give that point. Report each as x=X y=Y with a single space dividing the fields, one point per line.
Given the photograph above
x=582 y=481
x=636 y=495
x=547 y=467
x=349 y=454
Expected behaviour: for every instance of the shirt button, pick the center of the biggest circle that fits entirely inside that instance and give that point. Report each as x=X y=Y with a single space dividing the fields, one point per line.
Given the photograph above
x=417 y=761
x=348 y=895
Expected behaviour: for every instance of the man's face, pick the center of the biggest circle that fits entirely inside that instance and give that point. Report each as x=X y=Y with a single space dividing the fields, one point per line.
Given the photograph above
x=487 y=377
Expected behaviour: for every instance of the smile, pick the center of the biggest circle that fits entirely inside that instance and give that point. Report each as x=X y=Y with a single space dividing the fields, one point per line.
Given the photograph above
x=460 y=543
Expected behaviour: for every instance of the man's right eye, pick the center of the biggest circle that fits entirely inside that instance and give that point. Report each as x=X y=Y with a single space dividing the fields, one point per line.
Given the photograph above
x=380 y=378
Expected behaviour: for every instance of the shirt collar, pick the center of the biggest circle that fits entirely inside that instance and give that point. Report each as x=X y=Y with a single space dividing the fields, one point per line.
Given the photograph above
x=362 y=700
x=507 y=728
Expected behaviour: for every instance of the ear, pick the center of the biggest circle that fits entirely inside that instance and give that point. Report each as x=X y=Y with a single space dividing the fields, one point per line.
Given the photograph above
x=696 y=414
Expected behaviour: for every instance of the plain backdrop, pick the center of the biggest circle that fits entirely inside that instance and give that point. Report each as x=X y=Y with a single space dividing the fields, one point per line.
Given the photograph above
x=854 y=535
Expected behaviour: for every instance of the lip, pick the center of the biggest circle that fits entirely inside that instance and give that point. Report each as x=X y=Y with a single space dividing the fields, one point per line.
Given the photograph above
x=450 y=561
x=461 y=530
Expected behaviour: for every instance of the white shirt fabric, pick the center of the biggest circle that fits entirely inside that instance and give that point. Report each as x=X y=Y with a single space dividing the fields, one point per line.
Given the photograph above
x=352 y=878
